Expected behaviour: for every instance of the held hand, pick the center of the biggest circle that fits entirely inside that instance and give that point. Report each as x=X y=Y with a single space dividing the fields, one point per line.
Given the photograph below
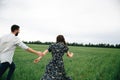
x=40 y=53
x=36 y=60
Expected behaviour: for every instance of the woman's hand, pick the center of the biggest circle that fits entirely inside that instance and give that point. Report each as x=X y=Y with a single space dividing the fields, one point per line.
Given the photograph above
x=70 y=54
x=37 y=60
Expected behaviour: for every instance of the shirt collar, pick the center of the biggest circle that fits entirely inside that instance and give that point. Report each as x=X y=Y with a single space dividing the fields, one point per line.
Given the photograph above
x=12 y=34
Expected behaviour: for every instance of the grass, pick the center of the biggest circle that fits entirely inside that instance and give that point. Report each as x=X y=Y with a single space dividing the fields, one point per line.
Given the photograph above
x=88 y=63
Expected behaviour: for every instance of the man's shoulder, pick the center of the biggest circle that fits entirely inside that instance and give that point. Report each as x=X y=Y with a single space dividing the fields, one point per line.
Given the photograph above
x=5 y=35
x=9 y=36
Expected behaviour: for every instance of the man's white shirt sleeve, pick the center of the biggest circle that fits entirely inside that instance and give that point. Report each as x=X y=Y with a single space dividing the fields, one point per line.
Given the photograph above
x=21 y=44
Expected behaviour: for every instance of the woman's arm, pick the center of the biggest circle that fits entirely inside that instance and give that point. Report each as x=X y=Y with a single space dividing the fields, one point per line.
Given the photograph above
x=69 y=54
x=39 y=58
x=45 y=52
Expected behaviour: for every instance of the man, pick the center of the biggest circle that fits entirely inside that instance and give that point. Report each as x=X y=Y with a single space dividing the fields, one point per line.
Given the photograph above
x=8 y=44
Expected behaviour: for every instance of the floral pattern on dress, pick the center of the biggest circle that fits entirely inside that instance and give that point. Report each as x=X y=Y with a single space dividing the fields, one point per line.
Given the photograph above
x=55 y=69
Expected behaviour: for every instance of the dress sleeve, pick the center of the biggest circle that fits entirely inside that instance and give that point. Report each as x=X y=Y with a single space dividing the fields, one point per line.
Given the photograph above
x=66 y=49
x=50 y=48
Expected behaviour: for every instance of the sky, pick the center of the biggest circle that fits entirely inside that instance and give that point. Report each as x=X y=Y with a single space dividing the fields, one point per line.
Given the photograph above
x=81 y=21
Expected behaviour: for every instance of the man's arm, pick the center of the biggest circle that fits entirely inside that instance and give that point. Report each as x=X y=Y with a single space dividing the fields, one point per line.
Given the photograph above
x=34 y=51
x=25 y=47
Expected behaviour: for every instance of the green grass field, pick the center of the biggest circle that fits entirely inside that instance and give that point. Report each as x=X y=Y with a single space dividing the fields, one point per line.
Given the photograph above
x=87 y=64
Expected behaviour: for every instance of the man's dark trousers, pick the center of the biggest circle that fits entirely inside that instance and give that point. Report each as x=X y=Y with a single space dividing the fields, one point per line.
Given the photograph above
x=4 y=66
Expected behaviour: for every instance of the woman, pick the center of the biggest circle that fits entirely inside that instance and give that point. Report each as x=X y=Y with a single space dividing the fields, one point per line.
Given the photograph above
x=55 y=69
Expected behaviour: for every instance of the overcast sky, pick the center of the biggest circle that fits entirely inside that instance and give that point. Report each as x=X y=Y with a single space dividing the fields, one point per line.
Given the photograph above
x=82 y=21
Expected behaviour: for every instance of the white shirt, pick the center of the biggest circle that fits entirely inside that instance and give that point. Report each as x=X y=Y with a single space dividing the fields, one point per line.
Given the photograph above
x=8 y=45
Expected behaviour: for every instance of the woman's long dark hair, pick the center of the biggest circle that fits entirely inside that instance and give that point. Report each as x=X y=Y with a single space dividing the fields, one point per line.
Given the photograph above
x=60 y=38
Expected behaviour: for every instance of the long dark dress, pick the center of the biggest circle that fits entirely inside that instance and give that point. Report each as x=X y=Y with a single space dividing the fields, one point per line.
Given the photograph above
x=55 y=69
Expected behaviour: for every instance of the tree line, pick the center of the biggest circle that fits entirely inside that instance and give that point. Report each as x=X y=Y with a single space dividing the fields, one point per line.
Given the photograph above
x=102 y=45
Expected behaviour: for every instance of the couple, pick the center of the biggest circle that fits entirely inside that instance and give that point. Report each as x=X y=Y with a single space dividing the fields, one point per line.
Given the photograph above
x=55 y=68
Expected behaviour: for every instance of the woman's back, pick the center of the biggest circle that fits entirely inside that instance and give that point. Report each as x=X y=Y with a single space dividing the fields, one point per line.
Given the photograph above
x=55 y=68
x=58 y=49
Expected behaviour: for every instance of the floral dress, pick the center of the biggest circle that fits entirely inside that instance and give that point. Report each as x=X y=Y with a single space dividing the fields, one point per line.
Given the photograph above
x=55 y=69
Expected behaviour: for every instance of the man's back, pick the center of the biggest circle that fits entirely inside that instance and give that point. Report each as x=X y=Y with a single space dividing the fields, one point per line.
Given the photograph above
x=7 y=43
x=7 y=47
